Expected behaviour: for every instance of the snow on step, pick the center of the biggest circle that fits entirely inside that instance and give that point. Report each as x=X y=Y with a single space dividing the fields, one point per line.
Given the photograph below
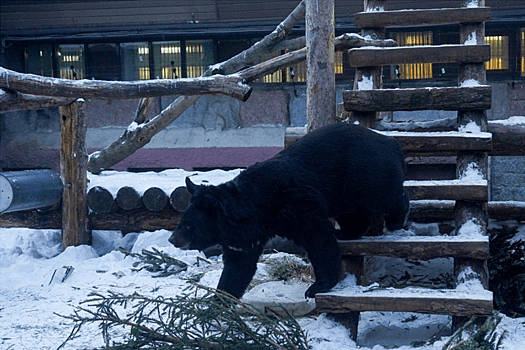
x=411 y=299
x=276 y=296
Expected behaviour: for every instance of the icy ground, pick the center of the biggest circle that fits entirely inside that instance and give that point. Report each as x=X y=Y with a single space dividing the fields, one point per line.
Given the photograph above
x=34 y=287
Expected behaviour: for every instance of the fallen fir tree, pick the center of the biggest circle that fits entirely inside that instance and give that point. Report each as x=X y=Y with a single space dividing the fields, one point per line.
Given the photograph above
x=203 y=318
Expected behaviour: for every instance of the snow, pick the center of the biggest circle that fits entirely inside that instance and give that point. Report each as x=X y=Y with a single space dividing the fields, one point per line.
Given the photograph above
x=472 y=4
x=509 y=121
x=470 y=128
x=366 y=83
x=470 y=82
x=471 y=40
x=39 y=282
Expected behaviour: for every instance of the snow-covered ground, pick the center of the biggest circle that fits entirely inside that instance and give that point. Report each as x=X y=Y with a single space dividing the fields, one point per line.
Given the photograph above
x=34 y=287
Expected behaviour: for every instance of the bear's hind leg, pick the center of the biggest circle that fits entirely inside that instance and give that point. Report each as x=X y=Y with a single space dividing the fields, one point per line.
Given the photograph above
x=323 y=251
x=397 y=213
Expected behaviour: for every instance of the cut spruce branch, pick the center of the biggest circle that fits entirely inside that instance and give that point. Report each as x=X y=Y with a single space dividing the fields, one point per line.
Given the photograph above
x=231 y=86
x=203 y=318
x=137 y=136
x=16 y=101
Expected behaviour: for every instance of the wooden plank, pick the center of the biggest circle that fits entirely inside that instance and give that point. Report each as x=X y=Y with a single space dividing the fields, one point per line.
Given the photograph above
x=367 y=57
x=417 y=247
x=445 y=98
x=436 y=142
x=448 y=190
x=414 y=18
x=445 y=302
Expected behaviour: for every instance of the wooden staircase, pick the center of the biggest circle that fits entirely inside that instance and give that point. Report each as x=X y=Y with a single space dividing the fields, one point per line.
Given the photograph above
x=470 y=98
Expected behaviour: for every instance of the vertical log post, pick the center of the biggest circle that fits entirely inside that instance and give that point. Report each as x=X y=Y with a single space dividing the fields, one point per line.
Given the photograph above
x=320 y=60
x=466 y=269
x=73 y=170
x=370 y=77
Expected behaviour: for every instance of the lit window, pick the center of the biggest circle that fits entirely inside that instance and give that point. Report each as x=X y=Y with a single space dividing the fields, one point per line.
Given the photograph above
x=297 y=72
x=167 y=60
x=135 y=61
x=70 y=61
x=338 y=62
x=523 y=52
x=413 y=70
x=199 y=55
x=499 y=52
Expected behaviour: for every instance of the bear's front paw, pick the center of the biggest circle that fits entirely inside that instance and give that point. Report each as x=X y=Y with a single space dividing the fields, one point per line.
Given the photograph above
x=315 y=288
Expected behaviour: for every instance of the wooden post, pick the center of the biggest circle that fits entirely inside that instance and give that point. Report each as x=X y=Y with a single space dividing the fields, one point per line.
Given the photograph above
x=468 y=269
x=320 y=58
x=368 y=78
x=73 y=170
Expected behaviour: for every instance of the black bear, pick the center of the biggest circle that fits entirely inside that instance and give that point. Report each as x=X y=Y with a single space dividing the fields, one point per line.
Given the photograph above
x=341 y=171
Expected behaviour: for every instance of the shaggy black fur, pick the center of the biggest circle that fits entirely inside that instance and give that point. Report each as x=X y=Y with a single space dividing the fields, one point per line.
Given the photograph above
x=339 y=171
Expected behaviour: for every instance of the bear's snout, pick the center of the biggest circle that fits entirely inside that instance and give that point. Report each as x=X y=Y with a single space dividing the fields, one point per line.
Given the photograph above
x=178 y=241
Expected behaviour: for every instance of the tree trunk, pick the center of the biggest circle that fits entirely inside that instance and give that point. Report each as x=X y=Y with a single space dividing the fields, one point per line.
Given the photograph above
x=320 y=58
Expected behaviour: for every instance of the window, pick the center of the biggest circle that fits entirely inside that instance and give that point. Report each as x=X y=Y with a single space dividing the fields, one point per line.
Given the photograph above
x=103 y=61
x=199 y=55
x=413 y=70
x=522 y=52
x=135 y=61
x=39 y=59
x=167 y=60
x=70 y=61
x=499 y=52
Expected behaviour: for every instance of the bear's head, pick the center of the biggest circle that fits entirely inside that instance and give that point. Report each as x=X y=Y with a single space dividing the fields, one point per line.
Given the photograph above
x=198 y=229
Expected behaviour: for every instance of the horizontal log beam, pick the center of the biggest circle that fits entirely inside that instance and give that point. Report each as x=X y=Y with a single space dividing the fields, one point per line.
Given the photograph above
x=16 y=101
x=447 y=190
x=443 y=302
x=418 y=248
x=452 y=141
x=507 y=140
x=427 y=17
x=231 y=86
x=446 y=99
x=371 y=57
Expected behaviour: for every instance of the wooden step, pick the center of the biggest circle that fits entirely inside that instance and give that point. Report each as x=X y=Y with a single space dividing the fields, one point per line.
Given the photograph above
x=472 y=190
x=411 y=299
x=373 y=56
x=445 y=98
x=441 y=142
x=418 y=247
x=426 y=17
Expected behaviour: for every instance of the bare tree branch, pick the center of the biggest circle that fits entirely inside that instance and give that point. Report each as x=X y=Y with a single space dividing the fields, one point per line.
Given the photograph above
x=37 y=85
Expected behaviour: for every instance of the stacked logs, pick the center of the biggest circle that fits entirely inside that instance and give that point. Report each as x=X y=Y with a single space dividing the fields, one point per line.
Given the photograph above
x=129 y=211
x=101 y=201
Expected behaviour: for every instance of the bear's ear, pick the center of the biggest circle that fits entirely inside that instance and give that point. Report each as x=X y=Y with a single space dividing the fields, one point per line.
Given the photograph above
x=191 y=186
